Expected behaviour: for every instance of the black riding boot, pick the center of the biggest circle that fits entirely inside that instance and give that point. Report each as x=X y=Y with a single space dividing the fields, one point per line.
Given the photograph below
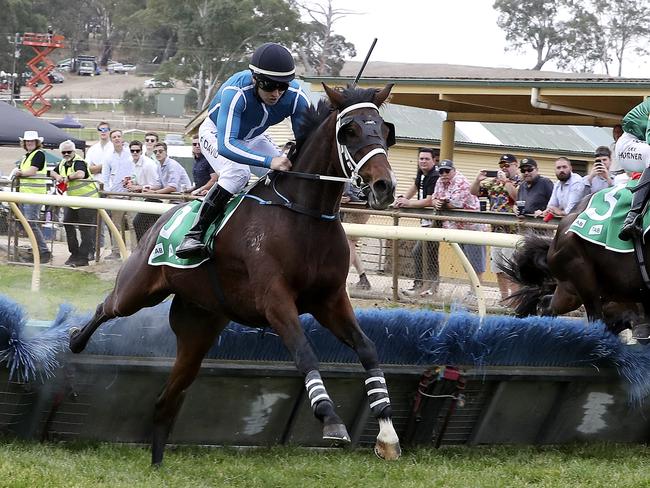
x=634 y=221
x=211 y=209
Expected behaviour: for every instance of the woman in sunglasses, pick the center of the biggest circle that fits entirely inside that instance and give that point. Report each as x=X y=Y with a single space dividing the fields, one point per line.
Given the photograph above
x=232 y=136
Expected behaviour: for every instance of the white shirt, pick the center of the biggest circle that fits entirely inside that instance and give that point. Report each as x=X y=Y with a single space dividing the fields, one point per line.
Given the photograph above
x=567 y=194
x=147 y=172
x=116 y=168
x=98 y=154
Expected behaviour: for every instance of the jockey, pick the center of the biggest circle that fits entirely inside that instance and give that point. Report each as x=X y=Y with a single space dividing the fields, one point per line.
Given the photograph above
x=232 y=135
x=633 y=153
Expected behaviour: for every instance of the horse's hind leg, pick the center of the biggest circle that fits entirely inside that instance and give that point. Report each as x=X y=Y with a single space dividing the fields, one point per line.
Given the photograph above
x=196 y=330
x=337 y=315
x=133 y=291
x=79 y=337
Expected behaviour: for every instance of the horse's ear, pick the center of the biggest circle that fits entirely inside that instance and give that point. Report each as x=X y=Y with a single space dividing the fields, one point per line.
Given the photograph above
x=382 y=95
x=336 y=98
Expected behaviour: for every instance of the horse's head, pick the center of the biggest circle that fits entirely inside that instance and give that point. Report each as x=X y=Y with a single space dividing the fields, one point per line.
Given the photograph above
x=363 y=139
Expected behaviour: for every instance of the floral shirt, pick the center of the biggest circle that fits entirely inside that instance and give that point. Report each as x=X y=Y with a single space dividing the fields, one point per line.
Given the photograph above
x=456 y=192
x=500 y=200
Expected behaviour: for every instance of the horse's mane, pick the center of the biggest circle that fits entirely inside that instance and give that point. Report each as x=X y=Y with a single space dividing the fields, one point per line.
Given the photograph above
x=316 y=115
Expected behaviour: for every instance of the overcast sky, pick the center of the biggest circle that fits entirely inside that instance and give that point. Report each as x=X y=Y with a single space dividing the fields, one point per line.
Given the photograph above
x=437 y=31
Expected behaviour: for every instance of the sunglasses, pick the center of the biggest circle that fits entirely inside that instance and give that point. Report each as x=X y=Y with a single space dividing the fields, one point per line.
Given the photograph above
x=158 y=151
x=134 y=151
x=271 y=85
x=529 y=169
x=104 y=129
x=65 y=153
x=444 y=171
x=600 y=161
x=504 y=165
x=151 y=140
x=195 y=144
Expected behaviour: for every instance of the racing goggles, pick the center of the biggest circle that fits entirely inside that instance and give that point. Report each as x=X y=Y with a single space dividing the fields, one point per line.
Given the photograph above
x=269 y=85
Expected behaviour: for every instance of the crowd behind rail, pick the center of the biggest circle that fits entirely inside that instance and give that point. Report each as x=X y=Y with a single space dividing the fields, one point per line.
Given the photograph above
x=511 y=197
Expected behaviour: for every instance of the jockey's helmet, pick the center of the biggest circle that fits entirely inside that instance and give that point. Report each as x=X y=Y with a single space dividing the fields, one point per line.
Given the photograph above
x=273 y=61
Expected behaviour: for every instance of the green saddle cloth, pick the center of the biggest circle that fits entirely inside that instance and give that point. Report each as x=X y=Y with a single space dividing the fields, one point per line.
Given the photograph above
x=172 y=233
x=603 y=218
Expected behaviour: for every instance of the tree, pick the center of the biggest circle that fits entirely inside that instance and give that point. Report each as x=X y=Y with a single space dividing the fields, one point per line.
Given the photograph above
x=321 y=51
x=535 y=23
x=216 y=38
x=576 y=34
x=622 y=25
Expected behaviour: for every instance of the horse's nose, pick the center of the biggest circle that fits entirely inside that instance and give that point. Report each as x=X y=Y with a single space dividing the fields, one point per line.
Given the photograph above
x=384 y=192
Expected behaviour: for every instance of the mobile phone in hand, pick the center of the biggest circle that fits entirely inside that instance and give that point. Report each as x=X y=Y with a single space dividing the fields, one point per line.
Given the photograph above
x=491 y=174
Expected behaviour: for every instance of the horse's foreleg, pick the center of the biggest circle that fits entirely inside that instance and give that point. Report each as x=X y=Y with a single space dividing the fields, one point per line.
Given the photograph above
x=195 y=331
x=79 y=337
x=337 y=315
x=283 y=317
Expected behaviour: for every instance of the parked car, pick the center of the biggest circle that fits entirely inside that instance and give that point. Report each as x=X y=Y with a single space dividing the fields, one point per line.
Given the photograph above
x=154 y=83
x=64 y=64
x=172 y=139
x=55 y=77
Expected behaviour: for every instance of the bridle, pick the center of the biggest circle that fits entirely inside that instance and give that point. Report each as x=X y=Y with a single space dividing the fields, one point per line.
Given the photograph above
x=371 y=129
x=371 y=126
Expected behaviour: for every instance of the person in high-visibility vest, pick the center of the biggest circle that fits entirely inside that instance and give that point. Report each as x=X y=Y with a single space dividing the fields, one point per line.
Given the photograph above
x=72 y=174
x=32 y=172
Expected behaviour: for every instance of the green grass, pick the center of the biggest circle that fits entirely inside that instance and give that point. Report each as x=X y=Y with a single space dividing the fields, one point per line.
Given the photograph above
x=601 y=465
x=81 y=289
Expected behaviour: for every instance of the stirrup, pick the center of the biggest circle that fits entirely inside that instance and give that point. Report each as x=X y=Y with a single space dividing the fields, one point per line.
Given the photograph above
x=631 y=228
x=190 y=247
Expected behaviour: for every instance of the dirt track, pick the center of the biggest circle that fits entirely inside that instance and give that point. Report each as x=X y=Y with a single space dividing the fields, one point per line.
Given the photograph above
x=103 y=86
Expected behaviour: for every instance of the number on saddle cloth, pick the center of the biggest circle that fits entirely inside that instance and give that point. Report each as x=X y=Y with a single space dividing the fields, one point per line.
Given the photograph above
x=603 y=218
x=172 y=233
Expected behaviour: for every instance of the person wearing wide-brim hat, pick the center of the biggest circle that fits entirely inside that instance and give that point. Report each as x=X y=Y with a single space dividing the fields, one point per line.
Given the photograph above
x=32 y=172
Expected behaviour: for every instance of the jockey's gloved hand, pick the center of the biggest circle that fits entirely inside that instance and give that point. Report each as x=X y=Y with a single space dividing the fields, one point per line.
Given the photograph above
x=280 y=163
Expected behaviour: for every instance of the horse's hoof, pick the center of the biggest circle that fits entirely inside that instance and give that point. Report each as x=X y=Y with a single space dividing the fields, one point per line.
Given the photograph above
x=336 y=433
x=388 y=452
x=641 y=332
x=72 y=344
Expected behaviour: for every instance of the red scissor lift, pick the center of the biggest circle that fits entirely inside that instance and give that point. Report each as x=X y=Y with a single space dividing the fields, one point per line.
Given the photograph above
x=41 y=65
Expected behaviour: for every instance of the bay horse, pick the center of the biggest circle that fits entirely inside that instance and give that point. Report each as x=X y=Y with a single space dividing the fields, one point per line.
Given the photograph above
x=557 y=275
x=271 y=263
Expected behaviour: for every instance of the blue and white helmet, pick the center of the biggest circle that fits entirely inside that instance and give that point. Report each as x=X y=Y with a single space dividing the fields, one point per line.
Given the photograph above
x=274 y=62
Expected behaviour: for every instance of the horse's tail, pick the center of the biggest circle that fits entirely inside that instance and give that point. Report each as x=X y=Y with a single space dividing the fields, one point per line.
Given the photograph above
x=529 y=269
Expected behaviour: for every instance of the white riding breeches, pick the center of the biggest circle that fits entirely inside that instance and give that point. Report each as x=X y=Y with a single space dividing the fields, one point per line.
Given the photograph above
x=233 y=177
x=632 y=153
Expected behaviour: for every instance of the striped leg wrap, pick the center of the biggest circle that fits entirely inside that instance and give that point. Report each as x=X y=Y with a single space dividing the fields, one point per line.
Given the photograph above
x=377 y=392
x=315 y=389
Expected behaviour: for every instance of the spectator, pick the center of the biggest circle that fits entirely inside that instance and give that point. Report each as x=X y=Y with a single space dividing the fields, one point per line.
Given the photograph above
x=351 y=194
x=32 y=173
x=502 y=192
x=96 y=156
x=568 y=190
x=150 y=139
x=204 y=175
x=146 y=175
x=173 y=176
x=452 y=191
x=117 y=171
x=422 y=188
x=599 y=177
x=73 y=172
x=100 y=152
x=535 y=189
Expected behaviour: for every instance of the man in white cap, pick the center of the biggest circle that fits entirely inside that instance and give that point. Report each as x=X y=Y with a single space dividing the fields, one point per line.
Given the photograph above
x=32 y=173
